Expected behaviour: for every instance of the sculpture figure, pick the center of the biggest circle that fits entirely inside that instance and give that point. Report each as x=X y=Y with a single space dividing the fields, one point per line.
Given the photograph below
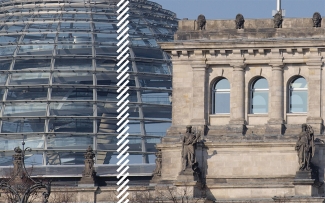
x=239 y=21
x=317 y=19
x=305 y=147
x=278 y=20
x=189 y=141
x=89 y=163
x=201 y=22
x=157 y=171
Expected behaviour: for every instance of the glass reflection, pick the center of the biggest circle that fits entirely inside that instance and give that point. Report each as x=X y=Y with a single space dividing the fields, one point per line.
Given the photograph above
x=27 y=94
x=22 y=125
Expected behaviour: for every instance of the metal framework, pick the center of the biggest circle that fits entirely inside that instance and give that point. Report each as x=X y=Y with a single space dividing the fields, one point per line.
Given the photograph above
x=58 y=80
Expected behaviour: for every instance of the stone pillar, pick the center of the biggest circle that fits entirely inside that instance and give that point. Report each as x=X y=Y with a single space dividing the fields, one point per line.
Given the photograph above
x=199 y=96
x=237 y=100
x=276 y=112
x=314 y=96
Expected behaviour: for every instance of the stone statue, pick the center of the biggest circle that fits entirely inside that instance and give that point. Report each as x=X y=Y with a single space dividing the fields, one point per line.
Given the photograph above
x=157 y=171
x=18 y=161
x=317 y=19
x=278 y=20
x=189 y=141
x=240 y=21
x=89 y=163
x=305 y=147
x=201 y=22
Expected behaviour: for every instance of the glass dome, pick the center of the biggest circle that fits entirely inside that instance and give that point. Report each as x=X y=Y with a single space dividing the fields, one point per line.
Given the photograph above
x=58 y=79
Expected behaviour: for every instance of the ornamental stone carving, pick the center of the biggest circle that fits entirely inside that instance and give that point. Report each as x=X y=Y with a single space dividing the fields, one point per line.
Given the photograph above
x=201 y=22
x=317 y=19
x=278 y=20
x=239 y=21
x=305 y=147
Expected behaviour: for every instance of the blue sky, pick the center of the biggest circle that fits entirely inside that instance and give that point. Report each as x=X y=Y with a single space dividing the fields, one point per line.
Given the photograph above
x=228 y=9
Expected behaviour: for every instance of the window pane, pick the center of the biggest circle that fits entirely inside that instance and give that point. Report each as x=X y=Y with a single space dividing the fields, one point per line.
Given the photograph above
x=298 y=101
x=222 y=84
x=261 y=84
x=27 y=94
x=69 y=141
x=22 y=125
x=23 y=109
x=299 y=83
x=222 y=102
x=260 y=102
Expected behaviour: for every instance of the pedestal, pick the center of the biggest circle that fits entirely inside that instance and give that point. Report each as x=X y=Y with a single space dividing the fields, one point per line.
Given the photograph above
x=304 y=184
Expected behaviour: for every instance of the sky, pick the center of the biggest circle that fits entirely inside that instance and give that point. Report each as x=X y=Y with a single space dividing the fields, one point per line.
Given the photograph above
x=228 y=9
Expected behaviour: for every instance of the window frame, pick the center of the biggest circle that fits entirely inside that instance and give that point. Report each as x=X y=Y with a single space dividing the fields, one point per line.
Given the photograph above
x=252 y=91
x=214 y=91
x=290 y=90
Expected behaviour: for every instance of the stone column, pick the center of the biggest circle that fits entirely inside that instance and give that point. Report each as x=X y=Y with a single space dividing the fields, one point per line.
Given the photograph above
x=199 y=97
x=237 y=100
x=276 y=112
x=314 y=95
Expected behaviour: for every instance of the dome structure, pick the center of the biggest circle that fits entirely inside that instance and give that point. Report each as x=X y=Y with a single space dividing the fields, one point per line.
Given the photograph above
x=58 y=79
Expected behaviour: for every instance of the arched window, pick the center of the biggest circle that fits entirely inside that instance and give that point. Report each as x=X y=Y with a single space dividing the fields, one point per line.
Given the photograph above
x=298 y=96
x=221 y=97
x=260 y=96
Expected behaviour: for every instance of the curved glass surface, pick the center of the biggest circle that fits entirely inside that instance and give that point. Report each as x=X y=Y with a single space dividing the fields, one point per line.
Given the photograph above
x=58 y=79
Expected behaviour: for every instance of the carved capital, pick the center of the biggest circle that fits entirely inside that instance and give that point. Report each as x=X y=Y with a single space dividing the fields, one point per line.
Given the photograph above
x=277 y=66
x=199 y=66
x=238 y=66
x=314 y=63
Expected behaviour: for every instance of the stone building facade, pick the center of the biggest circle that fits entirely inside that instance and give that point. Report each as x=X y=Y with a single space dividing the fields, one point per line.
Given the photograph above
x=248 y=91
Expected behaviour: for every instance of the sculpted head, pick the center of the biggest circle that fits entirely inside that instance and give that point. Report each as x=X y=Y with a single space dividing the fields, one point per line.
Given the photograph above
x=277 y=20
x=317 y=19
x=304 y=127
x=189 y=129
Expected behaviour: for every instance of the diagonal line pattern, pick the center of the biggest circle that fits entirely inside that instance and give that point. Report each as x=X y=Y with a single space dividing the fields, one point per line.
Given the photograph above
x=123 y=80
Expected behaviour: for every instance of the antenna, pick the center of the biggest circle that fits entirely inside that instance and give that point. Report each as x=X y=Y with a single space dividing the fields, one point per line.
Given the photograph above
x=278 y=9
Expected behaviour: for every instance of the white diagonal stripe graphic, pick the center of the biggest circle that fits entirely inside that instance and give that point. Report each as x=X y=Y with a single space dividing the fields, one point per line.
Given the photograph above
x=123 y=81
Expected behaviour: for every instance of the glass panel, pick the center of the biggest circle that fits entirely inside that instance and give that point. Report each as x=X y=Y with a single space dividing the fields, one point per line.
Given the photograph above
x=3 y=79
x=156 y=129
x=71 y=109
x=12 y=141
x=298 y=101
x=29 y=78
x=71 y=125
x=107 y=79
x=156 y=82
x=106 y=50
x=72 y=94
x=7 y=39
x=23 y=109
x=107 y=110
x=156 y=112
x=156 y=97
x=73 y=78
x=22 y=125
x=27 y=94
x=5 y=64
x=261 y=84
x=103 y=27
x=32 y=64
x=108 y=95
x=260 y=102
x=153 y=68
x=222 y=102
x=106 y=64
x=104 y=37
x=143 y=53
x=134 y=159
x=222 y=84
x=8 y=50
x=31 y=158
x=69 y=141
x=73 y=64
x=36 y=49
x=299 y=83
x=65 y=158
x=74 y=49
